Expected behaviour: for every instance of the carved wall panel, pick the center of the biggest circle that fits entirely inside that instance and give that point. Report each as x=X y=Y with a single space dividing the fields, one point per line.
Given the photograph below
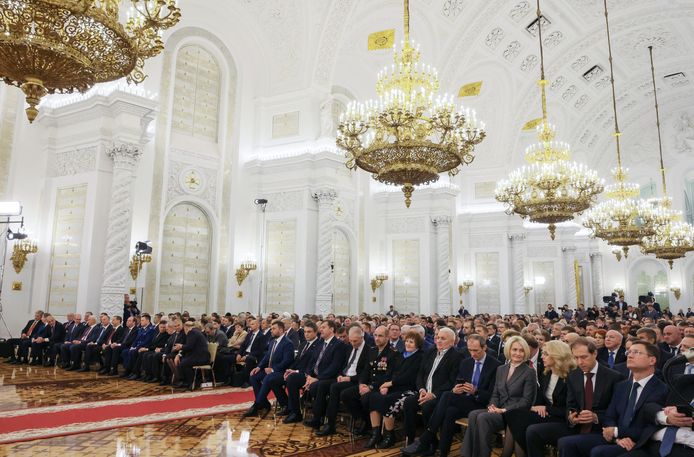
x=406 y=280
x=487 y=282
x=75 y=161
x=66 y=246
x=280 y=266
x=342 y=284
x=185 y=260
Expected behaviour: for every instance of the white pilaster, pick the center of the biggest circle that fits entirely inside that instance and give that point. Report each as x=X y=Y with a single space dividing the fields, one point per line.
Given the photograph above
x=443 y=263
x=517 y=274
x=568 y=256
x=596 y=277
x=324 y=291
x=125 y=157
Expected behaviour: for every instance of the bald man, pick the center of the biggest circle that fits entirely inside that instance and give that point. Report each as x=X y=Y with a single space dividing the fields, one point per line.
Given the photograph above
x=672 y=337
x=613 y=352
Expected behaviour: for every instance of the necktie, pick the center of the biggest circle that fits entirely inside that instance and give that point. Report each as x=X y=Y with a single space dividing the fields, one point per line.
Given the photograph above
x=351 y=360
x=629 y=413
x=610 y=360
x=476 y=374
x=31 y=329
x=250 y=345
x=110 y=337
x=673 y=350
x=669 y=439
x=530 y=362
x=86 y=334
x=587 y=400
x=320 y=357
x=272 y=352
x=308 y=345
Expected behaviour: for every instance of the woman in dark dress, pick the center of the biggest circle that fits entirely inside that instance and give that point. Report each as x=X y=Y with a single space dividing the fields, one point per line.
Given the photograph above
x=388 y=401
x=550 y=404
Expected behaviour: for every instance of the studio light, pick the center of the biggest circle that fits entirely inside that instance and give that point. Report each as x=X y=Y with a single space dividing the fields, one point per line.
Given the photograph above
x=18 y=235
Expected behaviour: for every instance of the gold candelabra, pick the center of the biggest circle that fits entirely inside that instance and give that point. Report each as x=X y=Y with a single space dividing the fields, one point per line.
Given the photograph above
x=376 y=282
x=527 y=289
x=677 y=292
x=410 y=134
x=20 y=252
x=64 y=46
x=137 y=261
x=242 y=273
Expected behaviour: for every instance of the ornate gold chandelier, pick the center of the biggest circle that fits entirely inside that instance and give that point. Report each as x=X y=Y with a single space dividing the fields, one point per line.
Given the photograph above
x=674 y=239
x=63 y=46
x=550 y=189
x=408 y=135
x=623 y=219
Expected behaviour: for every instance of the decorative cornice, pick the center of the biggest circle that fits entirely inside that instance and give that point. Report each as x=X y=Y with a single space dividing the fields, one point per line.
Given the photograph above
x=124 y=155
x=441 y=220
x=324 y=195
x=513 y=237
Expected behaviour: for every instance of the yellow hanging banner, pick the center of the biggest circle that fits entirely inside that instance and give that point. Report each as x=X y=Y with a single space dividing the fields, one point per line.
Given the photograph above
x=382 y=40
x=470 y=90
x=530 y=125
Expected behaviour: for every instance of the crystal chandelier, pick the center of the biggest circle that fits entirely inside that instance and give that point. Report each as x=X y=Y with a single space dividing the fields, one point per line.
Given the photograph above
x=63 y=46
x=409 y=134
x=622 y=219
x=550 y=189
x=674 y=239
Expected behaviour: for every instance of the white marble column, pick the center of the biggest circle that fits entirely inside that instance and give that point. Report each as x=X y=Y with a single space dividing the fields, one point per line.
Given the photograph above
x=519 y=296
x=117 y=254
x=443 y=263
x=570 y=275
x=324 y=288
x=596 y=278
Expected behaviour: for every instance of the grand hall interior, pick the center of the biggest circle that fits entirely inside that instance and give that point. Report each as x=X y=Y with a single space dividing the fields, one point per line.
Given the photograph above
x=347 y=228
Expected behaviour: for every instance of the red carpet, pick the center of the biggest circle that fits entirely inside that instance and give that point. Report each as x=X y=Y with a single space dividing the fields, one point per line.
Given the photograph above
x=33 y=423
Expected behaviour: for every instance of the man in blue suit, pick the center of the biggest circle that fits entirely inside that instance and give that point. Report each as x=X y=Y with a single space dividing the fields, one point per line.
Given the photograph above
x=72 y=354
x=624 y=423
x=279 y=357
x=295 y=376
x=329 y=361
x=145 y=335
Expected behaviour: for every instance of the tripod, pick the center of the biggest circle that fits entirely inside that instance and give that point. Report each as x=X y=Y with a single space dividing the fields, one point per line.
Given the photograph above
x=2 y=274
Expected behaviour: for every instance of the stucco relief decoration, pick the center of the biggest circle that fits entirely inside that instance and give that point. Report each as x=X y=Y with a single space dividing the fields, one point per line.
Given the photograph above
x=405 y=225
x=558 y=83
x=553 y=39
x=667 y=41
x=593 y=73
x=579 y=63
x=683 y=127
x=569 y=93
x=451 y=8
x=512 y=51
x=330 y=111
x=603 y=82
x=330 y=39
x=529 y=63
x=494 y=38
x=75 y=161
x=185 y=179
x=519 y=11
x=581 y=102
x=285 y=201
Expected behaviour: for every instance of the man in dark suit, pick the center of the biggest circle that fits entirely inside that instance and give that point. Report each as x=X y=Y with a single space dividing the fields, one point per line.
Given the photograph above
x=92 y=350
x=295 y=376
x=72 y=354
x=30 y=331
x=52 y=333
x=112 y=353
x=158 y=342
x=145 y=335
x=152 y=359
x=587 y=405
x=436 y=375
x=551 y=314
x=291 y=333
x=671 y=340
x=624 y=424
x=72 y=333
x=329 y=361
x=394 y=338
x=671 y=431
x=95 y=352
x=473 y=389
x=377 y=365
x=613 y=352
x=277 y=359
x=167 y=370
x=493 y=339
x=649 y=335
x=252 y=349
x=193 y=352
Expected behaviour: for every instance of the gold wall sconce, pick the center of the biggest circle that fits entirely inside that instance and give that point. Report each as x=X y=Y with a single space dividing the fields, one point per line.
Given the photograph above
x=242 y=273
x=619 y=291
x=136 y=263
x=677 y=292
x=20 y=252
x=376 y=282
x=16 y=285
x=617 y=253
x=464 y=287
x=527 y=289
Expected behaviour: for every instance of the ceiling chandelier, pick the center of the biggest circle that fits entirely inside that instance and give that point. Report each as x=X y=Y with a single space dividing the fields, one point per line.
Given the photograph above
x=550 y=189
x=63 y=46
x=674 y=239
x=623 y=219
x=409 y=134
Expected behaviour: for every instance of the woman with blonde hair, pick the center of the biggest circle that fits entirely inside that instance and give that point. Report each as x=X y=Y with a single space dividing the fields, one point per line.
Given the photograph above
x=515 y=388
x=550 y=405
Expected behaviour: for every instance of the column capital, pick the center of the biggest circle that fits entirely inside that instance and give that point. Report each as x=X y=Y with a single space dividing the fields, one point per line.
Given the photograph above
x=324 y=195
x=568 y=248
x=441 y=220
x=596 y=255
x=124 y=155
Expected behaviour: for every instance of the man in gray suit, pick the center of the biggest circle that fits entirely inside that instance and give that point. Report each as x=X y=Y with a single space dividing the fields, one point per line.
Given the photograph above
x=515 y=387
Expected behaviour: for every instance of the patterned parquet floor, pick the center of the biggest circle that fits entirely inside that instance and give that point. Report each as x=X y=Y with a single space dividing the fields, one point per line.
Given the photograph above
x=223 y=435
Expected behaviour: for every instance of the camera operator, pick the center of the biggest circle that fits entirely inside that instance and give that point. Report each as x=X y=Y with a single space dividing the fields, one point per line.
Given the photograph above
x=129 y=308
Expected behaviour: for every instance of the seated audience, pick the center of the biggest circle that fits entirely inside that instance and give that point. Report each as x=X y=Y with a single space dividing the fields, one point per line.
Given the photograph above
x=193 y=352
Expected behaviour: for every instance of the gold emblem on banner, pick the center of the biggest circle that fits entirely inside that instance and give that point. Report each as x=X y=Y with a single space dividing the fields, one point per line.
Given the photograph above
x=381 y=40
x=470 y=90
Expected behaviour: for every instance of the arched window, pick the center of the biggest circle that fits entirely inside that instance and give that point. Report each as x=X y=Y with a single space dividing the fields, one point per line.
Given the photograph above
x=650 y=276
x=185 y=266
x=196 y=93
